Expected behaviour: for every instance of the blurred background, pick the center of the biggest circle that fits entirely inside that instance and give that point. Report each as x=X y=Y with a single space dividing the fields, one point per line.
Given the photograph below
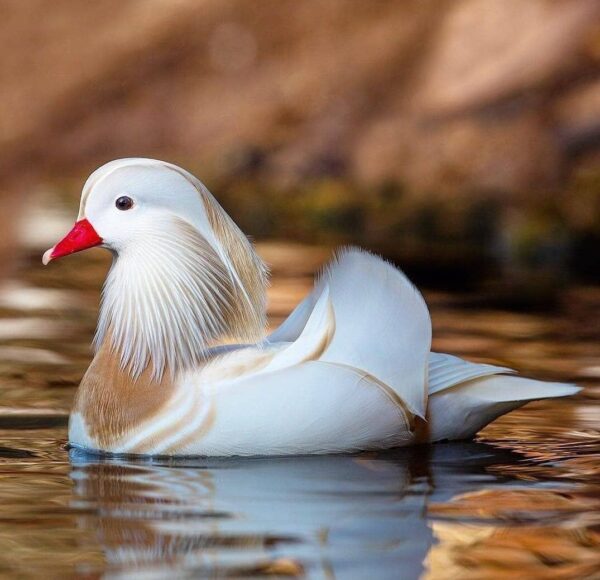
x=459 y=138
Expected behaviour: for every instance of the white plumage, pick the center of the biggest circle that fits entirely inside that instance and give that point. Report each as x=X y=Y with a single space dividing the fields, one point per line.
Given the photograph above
x=350 y=369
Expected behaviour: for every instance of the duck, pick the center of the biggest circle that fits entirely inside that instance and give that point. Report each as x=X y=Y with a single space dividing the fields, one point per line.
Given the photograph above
x=183 y=366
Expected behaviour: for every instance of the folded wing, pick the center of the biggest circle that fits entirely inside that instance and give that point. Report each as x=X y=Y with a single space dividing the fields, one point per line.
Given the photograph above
x=365 y=314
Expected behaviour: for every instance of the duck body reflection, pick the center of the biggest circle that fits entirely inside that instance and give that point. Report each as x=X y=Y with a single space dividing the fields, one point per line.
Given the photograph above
x=325 y=516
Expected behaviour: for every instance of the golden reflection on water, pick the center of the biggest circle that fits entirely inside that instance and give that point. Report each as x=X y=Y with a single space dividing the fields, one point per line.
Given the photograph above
x=521 y=503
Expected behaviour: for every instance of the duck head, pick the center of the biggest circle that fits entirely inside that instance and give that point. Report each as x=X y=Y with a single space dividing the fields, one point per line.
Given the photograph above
x=184 y=277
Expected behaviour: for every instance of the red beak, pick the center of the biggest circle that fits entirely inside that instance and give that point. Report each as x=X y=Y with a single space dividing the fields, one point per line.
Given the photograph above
x=81 y=237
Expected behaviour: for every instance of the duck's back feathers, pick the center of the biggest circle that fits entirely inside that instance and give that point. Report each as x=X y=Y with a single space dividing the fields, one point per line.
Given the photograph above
x=345 y=378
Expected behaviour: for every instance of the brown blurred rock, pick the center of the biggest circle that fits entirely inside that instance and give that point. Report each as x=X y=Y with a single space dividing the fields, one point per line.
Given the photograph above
x=449 y=96
x=490 y=50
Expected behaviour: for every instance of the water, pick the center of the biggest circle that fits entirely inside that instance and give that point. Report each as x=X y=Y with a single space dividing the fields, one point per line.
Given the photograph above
x=521 y=502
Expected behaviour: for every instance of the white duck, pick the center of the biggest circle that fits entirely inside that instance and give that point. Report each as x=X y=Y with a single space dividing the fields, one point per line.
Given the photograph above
x=350 y=369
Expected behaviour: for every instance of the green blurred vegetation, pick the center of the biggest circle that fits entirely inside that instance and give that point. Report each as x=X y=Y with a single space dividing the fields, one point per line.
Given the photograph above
x=553 y=236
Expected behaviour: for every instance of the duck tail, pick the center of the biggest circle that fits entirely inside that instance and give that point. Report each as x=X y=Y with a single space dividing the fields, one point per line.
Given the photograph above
x=464 y=397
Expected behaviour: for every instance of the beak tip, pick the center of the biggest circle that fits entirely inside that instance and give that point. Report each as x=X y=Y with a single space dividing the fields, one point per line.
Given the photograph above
x=47 y=257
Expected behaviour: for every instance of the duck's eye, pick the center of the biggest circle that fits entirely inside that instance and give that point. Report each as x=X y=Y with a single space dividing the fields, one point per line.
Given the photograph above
x=124 y=203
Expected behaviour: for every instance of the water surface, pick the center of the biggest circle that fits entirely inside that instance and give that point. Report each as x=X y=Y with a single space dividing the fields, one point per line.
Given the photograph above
x=520 y=502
